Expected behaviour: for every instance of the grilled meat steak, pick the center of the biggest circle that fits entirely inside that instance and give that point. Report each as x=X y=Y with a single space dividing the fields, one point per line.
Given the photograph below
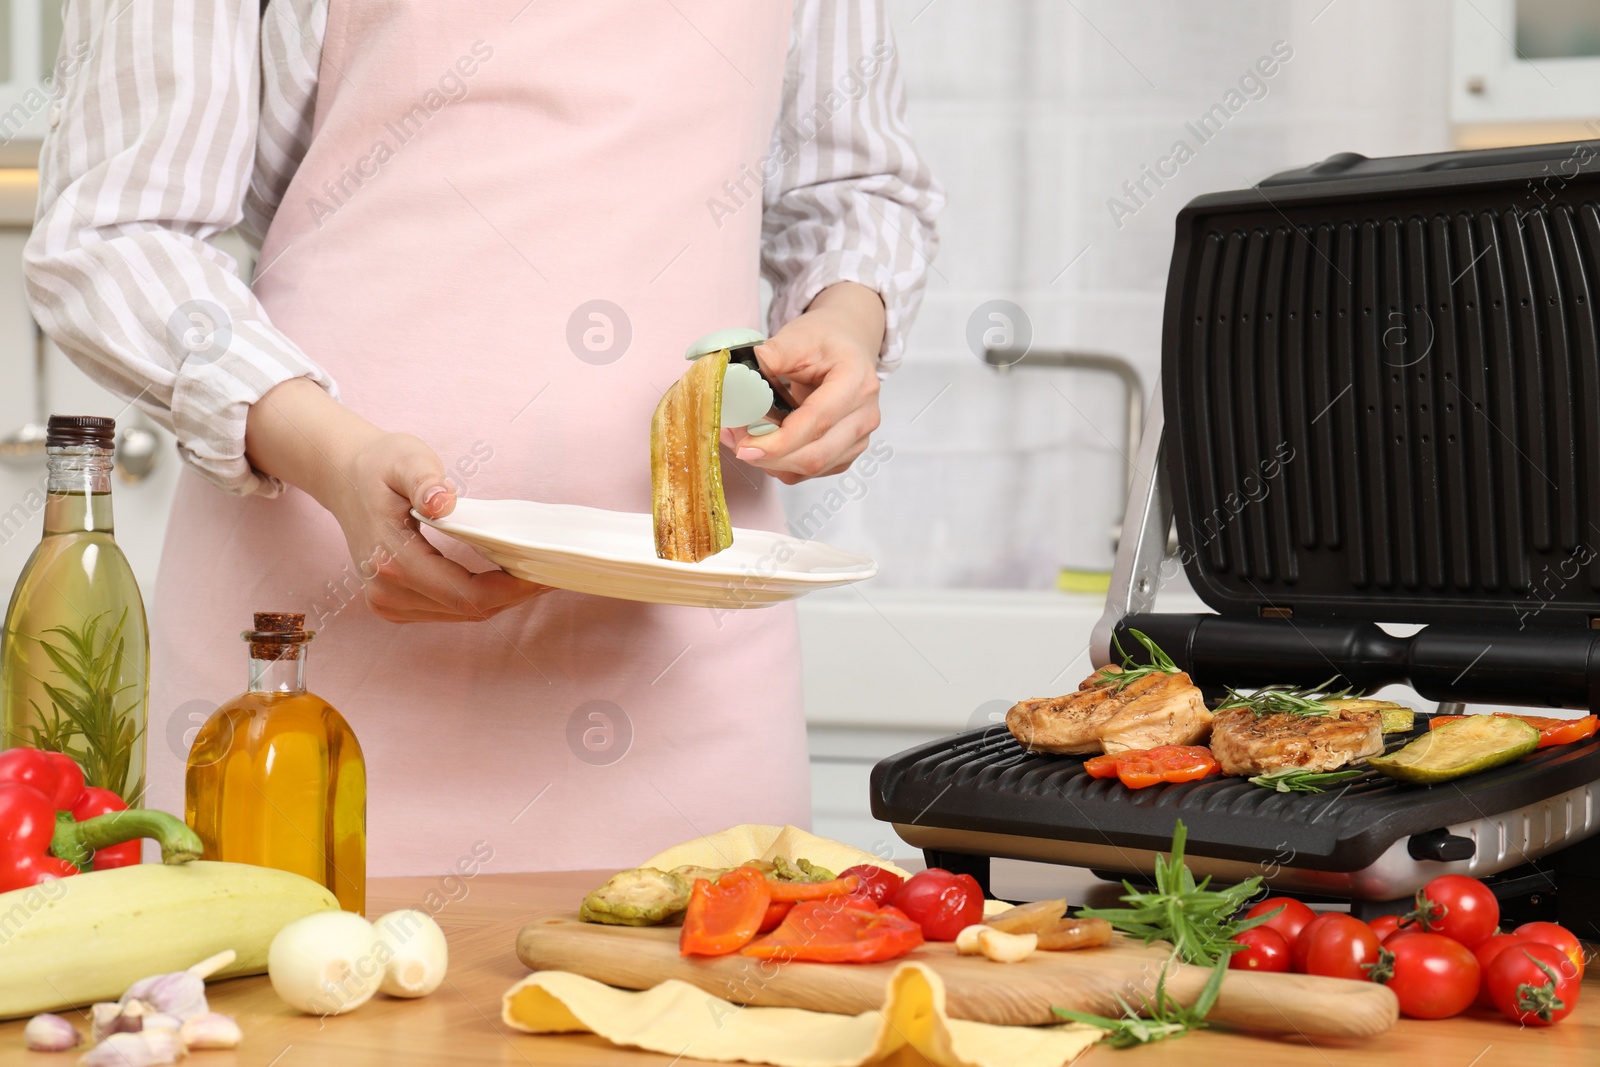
x=1249 y=744
x=1156 y=709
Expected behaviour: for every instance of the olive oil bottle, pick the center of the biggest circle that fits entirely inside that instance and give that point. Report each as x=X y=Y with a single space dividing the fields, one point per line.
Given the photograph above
x=276 y=777
x=75 y=661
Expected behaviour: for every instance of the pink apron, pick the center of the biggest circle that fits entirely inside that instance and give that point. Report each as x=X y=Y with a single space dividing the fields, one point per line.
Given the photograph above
x=479 y=176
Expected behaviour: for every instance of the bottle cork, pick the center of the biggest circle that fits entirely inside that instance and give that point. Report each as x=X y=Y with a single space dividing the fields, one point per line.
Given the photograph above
x=278 y=635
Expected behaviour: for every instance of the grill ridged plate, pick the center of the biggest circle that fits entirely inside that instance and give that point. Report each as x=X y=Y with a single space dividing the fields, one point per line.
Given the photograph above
x=985 y=781
x=1384 y=396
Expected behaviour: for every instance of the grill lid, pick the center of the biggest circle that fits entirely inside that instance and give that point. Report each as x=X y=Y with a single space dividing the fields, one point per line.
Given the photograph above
x=1382 y=379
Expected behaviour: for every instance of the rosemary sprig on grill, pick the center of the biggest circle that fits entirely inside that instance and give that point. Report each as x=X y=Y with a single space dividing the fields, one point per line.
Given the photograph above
x=1197 y=920
x=1160 y=663
x=1295 y=780
x=1286 y=699
x=1163 y=1016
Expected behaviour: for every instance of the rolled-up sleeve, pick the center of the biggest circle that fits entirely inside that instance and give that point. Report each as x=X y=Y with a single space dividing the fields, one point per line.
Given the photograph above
x=852 y=200
x=150 y=155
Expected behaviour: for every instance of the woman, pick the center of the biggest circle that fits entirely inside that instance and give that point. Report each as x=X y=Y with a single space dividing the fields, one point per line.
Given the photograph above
x=495 y=226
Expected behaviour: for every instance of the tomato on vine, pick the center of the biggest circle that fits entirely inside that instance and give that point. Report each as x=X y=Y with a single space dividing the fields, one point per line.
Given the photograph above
x=1535 y=984
x=1433 y=976
x=1461 y=908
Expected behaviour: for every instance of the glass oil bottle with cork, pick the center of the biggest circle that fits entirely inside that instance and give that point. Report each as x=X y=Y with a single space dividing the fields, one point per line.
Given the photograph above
x=75 y=662
x=276 y=776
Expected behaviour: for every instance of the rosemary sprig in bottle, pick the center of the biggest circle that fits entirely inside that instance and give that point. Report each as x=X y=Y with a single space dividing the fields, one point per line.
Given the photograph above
x=84 y=708
x=1160 y=663
x=1197 y=920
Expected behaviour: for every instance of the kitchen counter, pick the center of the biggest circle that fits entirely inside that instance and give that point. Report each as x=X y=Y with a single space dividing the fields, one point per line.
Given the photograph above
x=460 y=1024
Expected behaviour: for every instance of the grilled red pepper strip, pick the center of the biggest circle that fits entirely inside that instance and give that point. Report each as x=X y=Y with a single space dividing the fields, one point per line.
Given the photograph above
x=842 y=886
x=724 y=915
x=40 y=837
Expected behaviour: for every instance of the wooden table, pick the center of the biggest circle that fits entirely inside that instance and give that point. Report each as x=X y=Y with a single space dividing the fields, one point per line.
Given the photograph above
x=460 y=1024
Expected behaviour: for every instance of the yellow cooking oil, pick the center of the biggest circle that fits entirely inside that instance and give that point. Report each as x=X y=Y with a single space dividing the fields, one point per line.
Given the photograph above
x=276 y=777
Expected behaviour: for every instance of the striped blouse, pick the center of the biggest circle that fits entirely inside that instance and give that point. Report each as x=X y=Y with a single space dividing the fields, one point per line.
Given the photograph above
x=181 y=119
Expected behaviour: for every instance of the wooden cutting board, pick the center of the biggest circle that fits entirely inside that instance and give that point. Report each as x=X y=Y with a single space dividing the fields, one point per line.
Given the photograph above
x=975 y=988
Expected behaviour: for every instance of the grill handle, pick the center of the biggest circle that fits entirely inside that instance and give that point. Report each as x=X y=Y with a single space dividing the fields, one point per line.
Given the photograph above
x=1470 y=664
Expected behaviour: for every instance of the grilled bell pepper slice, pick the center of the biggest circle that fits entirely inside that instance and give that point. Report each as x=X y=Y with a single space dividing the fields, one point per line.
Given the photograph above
x=1552 y=731
x=724 y=915
x=844 y=930
x=1141 y=767
x=842 y=886
x=52 y=826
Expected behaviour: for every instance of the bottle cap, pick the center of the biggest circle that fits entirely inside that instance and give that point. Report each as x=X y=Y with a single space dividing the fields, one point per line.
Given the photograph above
x=66 y=431
x=278 y=635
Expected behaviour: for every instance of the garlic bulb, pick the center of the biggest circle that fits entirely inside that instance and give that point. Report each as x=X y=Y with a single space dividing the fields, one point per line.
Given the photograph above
x=417 y=954
x=50 y=1033
x=327 y=963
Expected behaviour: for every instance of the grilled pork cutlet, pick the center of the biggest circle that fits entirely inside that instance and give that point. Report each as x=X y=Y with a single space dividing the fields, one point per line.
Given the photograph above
x=1156 y=709
x=1246 y=743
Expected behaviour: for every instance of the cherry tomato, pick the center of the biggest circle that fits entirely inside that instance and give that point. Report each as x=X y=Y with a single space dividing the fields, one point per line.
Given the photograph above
x=1460 y=908
x=1433 y=976
x=1288 y=922
x=1384 y=925
x=943 y=904
x=1485 y=954
x=1533 y=983
x=1302 y=944
x=1341 y=947
x=1264 y=950
x=1559 y=936
x=876 y=882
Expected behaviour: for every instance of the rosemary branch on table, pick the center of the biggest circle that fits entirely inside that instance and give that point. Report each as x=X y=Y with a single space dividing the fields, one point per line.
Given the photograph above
x=1197 y=919
x=1286 y=699
x=1130 y=671
x=1162 y=1018
x=1297 y=780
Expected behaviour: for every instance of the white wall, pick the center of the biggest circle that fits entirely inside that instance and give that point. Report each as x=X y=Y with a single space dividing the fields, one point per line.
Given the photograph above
x=1033 y=113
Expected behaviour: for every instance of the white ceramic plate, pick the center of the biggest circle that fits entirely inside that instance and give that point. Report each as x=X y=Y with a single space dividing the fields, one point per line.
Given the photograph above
x=612 y=553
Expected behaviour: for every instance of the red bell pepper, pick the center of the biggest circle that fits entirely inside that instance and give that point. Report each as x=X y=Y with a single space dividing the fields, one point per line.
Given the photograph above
x=52 y=826
x=831 y=931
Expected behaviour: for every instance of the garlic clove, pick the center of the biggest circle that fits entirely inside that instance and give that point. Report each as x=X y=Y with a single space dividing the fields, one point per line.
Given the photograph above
x=157 y=1020
x=50 y=1033
x=143 y=1049
x=180 y=993
x=418 y=954
x=210 y=1030
x=107 y=1018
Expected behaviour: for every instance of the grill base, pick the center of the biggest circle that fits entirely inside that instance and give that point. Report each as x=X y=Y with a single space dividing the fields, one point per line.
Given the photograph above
x=1502 y=841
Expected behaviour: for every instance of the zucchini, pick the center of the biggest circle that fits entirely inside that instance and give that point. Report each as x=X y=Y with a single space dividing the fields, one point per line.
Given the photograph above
x=1396 y=718
x=1459 y=748
x=686 y=498
x=78 y=940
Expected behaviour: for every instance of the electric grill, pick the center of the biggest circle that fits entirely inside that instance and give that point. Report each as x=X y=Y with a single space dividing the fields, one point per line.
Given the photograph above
x=1380 y=404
